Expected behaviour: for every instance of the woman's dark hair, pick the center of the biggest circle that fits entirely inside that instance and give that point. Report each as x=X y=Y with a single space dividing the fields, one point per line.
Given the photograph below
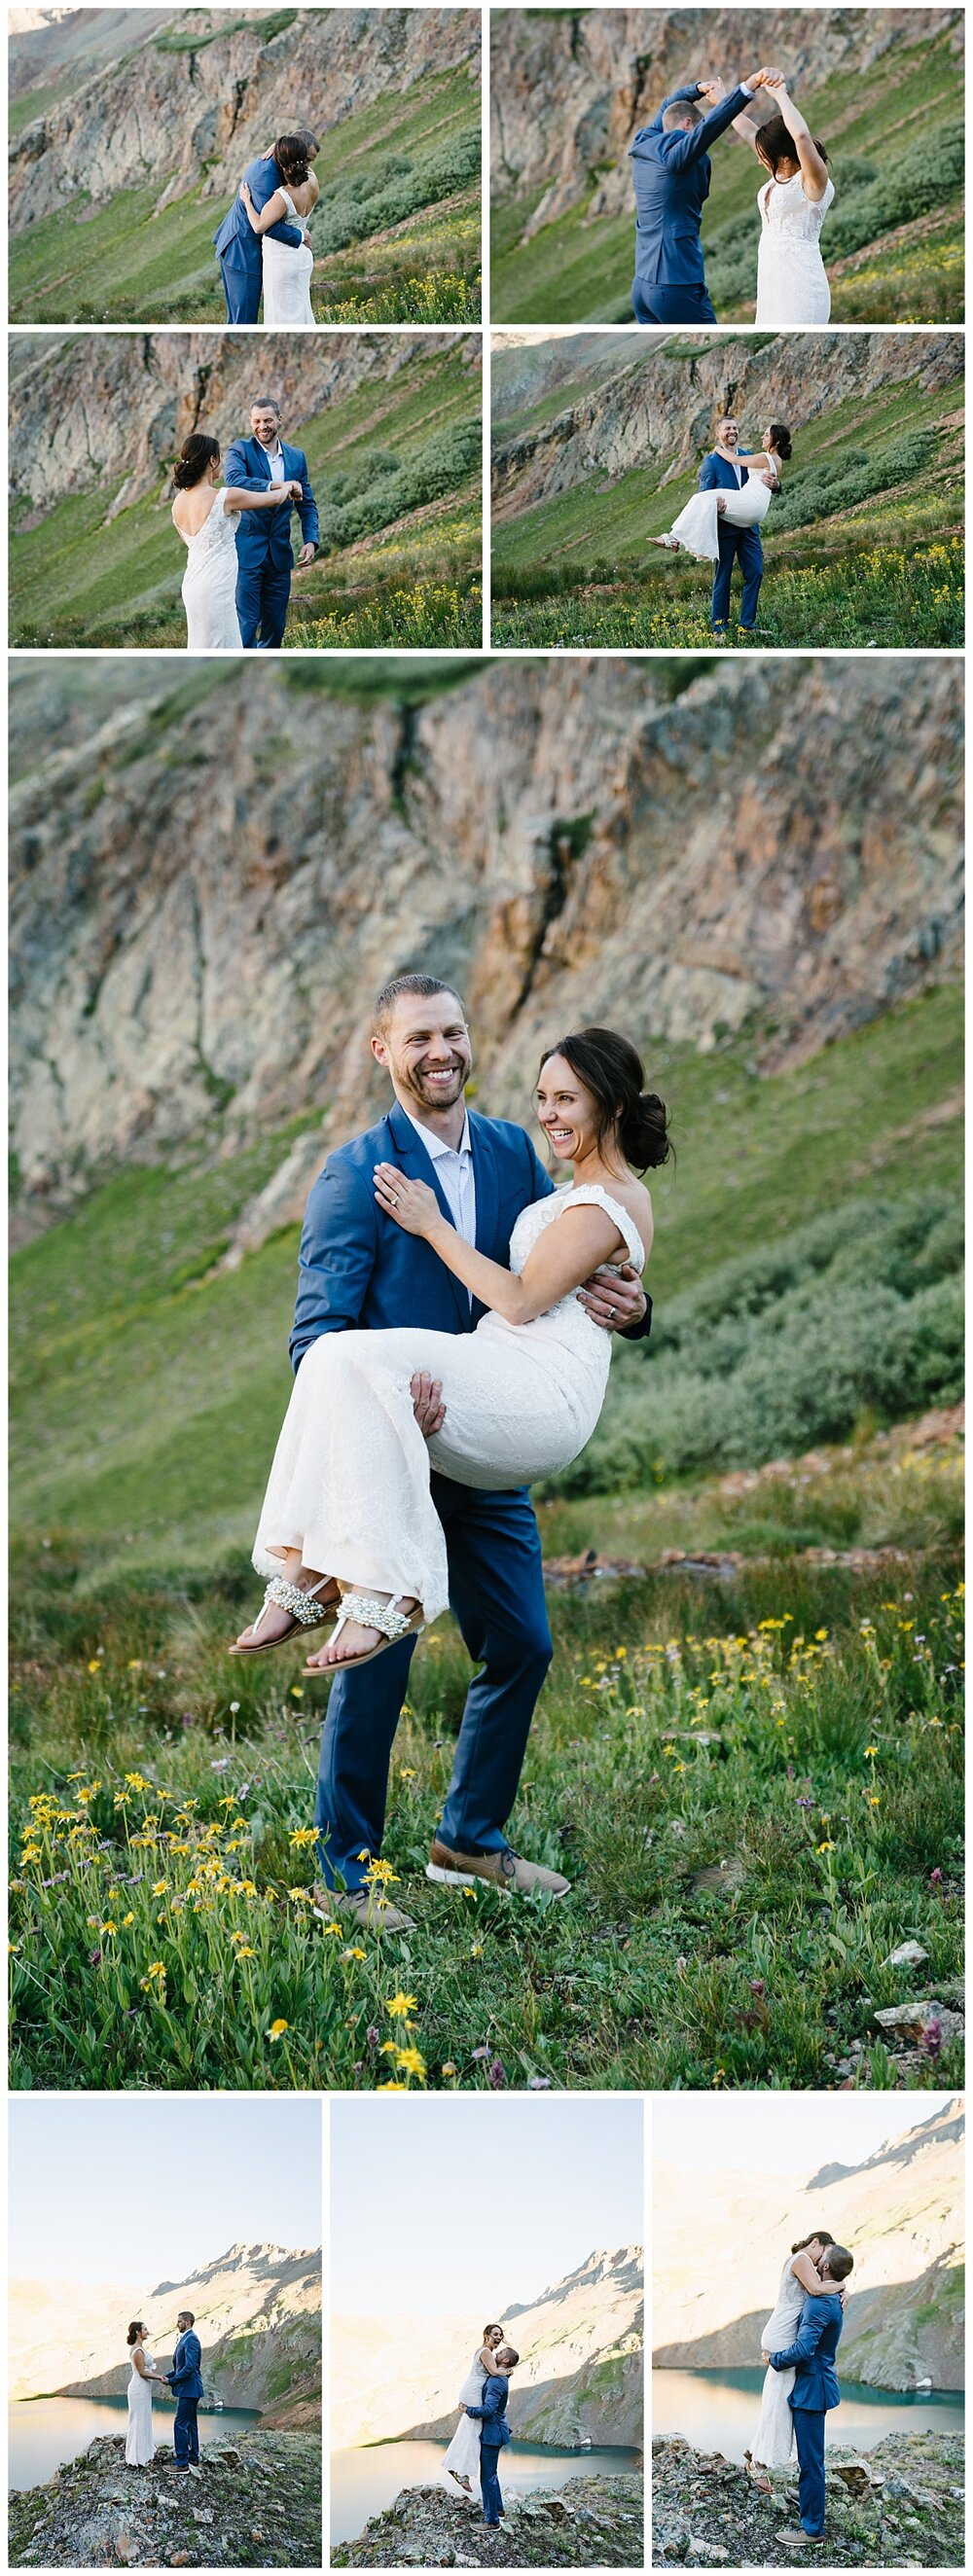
x=614 y=1074
x=774 y=142
x=489 y=2330
x=135 y=2329
x=196 y=453
x=290 y=154
x=780 y=438
x=818 y=2236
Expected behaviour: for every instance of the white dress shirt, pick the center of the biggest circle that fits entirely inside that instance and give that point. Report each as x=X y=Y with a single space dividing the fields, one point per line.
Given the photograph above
x=454 y=1172
x=275 y=460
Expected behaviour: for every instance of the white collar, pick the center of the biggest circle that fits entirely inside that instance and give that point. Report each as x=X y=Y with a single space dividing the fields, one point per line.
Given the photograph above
x=436 y=1145
x=275 y=450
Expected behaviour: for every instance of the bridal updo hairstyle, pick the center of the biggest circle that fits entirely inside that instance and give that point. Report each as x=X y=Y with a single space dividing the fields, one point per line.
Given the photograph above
x=290 y=154
x=135 y=2330
x=196 y=454
x=818 y=2236
x=773 y=142
x=614 y=1074
x=780 y=438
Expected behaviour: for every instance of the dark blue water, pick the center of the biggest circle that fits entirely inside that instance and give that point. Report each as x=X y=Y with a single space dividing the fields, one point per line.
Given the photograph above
x=717 y=2410
x=44 y=2432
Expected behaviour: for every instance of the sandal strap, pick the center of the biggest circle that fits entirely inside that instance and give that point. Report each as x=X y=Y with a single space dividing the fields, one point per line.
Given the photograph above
x=369 y=1613
x=288 y=1596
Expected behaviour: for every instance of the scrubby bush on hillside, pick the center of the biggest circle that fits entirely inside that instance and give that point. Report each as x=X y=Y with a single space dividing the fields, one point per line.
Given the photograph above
x=815 y=491
x=367 y=201
x=440 y=467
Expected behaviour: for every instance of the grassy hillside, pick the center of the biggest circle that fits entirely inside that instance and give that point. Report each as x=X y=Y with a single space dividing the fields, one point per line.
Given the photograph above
x=741 y=1867
x=396 y=469
x=863 y=547
x=892 y=245
x=396 y=230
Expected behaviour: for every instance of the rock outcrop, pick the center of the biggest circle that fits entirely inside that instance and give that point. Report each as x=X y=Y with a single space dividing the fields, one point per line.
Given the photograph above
x=209 y=886
x=901 y=2212
x=591 y=2522
x=257 y=2503
x=569 y=89
x=579 y=2378
x=899 y=2505
x=185 y=114
x=109 y=412
x=656 y=406
x=258 y=2314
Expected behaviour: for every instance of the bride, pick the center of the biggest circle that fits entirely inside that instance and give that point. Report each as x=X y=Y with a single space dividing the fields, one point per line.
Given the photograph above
x=348 y=1511
x=799 y=2279
x=139 y=2439
x=287 y=272
x=462 y=2460
x=792 y=281
x=204 y=516
x=697 y=526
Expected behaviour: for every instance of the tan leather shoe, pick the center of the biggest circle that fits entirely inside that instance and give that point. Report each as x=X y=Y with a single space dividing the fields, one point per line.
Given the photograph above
x=500 y=1869
x=364 y=1906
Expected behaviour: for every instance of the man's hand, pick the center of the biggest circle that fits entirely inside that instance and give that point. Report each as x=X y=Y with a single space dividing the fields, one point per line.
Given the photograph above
x=759 y=80
x=720 y=505
x=306 y=242
x=712 y=91
x=614 y=1298
x=427 y=1403
x=306 y=557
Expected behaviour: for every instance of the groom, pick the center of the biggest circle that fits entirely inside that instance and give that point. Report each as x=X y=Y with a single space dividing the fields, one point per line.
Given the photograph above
x=815 y=2392
x=495 y=2432
x=737 y=545
x=358 y=1269
x=240 y=250
x=671 y=173
x=265 y=558
x=187 y=2379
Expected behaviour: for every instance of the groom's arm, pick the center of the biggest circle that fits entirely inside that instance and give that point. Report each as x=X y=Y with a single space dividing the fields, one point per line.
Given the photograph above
x=307 y=508
x=679 y=150
x=262 y=187
x=337 y=1256
x=235 y=472
x=813 y=2322
x=707 y=475
x=492 y=2395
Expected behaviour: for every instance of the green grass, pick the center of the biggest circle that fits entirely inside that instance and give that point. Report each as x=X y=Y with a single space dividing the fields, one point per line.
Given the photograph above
x=76 y=580
x=579 y=270
x=676 y=1733
x=886 y=569
x=123 y=262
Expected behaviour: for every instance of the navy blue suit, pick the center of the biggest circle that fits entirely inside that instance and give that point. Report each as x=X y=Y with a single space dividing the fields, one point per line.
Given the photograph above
x=265 y=558
x=671 y=176
x=737 y=545
x=187 y=2379
x=494 y=2437
x=812 y=2358
x=239 y=249
x=360 y=1271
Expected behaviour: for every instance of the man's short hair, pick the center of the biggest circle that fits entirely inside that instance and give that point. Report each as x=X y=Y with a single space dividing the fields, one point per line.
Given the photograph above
x=422 y=987
x=505 y=2352
x=839 y=2262
x=680 y=113
x=310 y=141
x=265 y=402
x=187 y=2312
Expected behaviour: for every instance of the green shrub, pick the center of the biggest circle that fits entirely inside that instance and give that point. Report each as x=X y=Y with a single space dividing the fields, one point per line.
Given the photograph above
x=368 y=201
x=817 y=491
x=441 y=465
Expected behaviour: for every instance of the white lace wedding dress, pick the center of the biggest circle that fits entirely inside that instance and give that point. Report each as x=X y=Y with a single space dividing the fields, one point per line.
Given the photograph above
x=287 y=279
x=463 y=2455
x=209 y=582
x=139 y=2439
x=349 y=1485
x=697 y=526
x=792 y=281
x=774 y=2436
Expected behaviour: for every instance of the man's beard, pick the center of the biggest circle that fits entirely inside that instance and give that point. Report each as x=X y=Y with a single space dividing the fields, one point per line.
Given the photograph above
x=439 y=1095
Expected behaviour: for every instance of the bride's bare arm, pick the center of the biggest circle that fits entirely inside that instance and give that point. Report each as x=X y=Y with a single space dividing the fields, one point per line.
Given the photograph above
x=237 y=499
x=274 y=212
x=806 y=2272
x=551 y=1270
x=814 y=171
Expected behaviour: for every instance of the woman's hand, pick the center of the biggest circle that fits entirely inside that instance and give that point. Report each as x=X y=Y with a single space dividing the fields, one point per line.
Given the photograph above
x=413 y=1204
x=246 y=195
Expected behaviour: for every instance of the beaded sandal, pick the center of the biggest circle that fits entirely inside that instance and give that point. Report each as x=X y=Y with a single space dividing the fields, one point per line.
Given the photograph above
x=306 y=1608
x=363 y=1608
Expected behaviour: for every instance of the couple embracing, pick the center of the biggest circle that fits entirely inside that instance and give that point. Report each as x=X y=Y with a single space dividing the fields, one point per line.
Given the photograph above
x=451 y=1342
x=263 y=244
x=483 y=2431
x=799 y=2344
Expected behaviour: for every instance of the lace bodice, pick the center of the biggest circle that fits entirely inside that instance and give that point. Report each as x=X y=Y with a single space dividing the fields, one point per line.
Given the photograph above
x=785 y=210
x=216 y=536
x=147 y=2358
x=566 y=1322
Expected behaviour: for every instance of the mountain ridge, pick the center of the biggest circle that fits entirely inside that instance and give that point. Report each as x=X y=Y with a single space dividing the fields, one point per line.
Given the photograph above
x=258 y=2313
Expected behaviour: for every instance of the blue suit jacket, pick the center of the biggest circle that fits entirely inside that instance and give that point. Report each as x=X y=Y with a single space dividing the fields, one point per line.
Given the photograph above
x=236 y=238
x=671 y=176
x=812 y=2355
x=715 y=475
x=268 y=532
x=358 y=1270
x=493 y=2413
x=186 y=2375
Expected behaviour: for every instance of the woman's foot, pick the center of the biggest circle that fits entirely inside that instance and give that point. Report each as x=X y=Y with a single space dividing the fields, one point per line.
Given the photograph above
x=354 y=1639
x=278 y=1619
x=673 y=544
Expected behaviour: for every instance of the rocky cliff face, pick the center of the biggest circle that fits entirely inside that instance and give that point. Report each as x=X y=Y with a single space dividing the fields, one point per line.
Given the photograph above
x=657 y=406
x=207 y=889
x=579 y=2376
x=201 y=112
x=257 y=2503
x=258 y=2313
x=568 y=90
x=109 y=412
x=901 y=2213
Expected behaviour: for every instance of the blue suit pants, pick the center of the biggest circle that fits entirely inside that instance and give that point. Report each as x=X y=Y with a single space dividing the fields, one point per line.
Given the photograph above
x=742 y=546
x=809 y=2436
x=263 y=590
x=670 y=303
x=496 y=1591
x=242 y=285
x=185 y=2431
x=490 y=2483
